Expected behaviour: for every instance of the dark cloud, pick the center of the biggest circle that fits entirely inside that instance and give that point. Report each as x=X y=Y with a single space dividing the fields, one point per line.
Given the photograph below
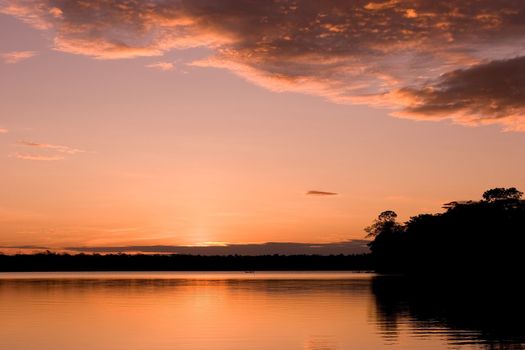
x=347 y=247
x=321 y=193
x=25 y=247
x=382 y=53
x=493 y=92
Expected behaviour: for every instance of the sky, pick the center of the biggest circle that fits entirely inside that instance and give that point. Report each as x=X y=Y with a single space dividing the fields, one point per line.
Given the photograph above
x=197 y=123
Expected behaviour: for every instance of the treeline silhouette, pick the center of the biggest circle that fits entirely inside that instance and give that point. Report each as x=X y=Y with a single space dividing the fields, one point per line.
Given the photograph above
x=140 y=262
x=470 y=238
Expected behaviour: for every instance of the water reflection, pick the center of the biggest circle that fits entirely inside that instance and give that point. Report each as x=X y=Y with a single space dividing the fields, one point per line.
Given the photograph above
x=481 y=314
x=307 y=311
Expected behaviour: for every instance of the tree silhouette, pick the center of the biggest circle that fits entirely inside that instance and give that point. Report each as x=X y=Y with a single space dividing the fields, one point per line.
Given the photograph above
x=384 y=222
x=469 y=238
x=501 y=193
x=388 y=236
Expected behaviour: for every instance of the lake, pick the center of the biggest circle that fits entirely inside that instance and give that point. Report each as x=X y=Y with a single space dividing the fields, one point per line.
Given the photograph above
x=237 y=310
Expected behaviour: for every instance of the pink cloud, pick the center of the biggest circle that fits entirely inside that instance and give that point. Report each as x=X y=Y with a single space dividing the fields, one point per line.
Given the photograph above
x=57 y=148
x=164 y=66
x=37 y=157
x=47 y=152
x=17 y=56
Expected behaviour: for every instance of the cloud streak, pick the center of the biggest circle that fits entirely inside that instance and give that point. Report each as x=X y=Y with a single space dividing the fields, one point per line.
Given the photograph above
x=37 y=157
x=56 y=148
x=408 y=55
x=321 y=193
x=17 y=56
x=3 y=131
x=284 y=248
x=164 y=66
x=48 y=152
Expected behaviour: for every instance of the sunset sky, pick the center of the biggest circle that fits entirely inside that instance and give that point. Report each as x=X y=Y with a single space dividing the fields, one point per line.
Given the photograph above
x=248 y=121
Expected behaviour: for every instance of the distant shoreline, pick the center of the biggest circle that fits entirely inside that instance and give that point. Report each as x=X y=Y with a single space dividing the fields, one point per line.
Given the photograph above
x=51 y=262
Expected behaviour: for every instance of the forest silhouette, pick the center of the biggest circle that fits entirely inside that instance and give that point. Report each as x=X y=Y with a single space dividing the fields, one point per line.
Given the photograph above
x=469 y=238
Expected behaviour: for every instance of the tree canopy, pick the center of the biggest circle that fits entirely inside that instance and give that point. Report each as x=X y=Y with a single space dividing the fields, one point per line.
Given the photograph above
x=385 y=221
x=469 y=236
x=500 y=193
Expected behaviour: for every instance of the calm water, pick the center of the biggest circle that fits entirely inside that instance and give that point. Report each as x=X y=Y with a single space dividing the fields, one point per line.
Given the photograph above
x=321 y=311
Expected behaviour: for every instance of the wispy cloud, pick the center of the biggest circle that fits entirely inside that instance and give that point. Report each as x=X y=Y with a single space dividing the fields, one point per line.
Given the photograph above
x=381 y=5
x=38 y=157
x=164 y=66
x=3 y=131
x=321 y=193
x=17 y=56
x=47 y=152
x=57 y=148
x=24 y=247
x=408 y=55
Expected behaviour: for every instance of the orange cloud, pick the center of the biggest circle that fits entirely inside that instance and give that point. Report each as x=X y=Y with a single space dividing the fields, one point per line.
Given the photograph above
x=382 y=53
x=17 y=56
x=381 y=5
x=3 y=131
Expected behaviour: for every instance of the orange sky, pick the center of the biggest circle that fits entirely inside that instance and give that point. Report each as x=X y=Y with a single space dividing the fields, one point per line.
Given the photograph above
x=160 y=122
